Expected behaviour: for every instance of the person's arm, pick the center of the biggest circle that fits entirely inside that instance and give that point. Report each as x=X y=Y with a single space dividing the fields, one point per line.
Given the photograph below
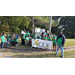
x=63 y=42
x=57 y=38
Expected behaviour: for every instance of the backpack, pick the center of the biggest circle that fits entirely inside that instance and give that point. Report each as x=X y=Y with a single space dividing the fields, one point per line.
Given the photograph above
x=59 y=42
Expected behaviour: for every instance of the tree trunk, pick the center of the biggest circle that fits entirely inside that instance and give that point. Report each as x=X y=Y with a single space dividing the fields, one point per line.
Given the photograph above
x=32 y=25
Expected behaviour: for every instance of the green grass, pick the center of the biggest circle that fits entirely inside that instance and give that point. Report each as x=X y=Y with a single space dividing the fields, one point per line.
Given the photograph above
x=21 y=46
x=67 y=54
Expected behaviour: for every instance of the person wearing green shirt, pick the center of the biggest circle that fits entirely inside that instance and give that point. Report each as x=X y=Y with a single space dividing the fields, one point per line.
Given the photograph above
x=16 y=39
x=8 y=38
x=2 y=41
x=46 y=38
x=26 y=40
x=50 y=39
x=34 y=37
x=54 y=42
x=23 y=39
x=13 y=39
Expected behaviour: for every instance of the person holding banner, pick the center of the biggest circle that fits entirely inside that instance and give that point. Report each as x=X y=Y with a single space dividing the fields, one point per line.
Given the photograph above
x=34 y=37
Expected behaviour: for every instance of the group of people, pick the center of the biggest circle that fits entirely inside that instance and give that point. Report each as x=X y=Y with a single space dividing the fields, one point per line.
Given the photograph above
x=27 y=38
x=9 y=39
x=12 y=39
x=58 y=41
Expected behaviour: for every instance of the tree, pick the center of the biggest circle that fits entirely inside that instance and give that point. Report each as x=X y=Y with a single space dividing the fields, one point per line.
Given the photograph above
x=67 y=24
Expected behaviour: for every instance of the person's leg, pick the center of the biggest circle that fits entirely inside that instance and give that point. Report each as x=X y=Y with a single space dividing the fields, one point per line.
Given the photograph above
x=57 y=49
x=62 y=52
x=2 y=44
x=7 y=44
x=53 y=46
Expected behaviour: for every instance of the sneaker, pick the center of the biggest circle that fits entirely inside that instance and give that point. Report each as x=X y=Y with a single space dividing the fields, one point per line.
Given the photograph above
x=2 y=49
x=62 y=56
x=56 y=55
x=7 y=46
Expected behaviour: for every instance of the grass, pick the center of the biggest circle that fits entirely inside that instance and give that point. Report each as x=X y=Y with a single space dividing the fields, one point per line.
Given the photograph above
x=69 y=42
x=67 y=54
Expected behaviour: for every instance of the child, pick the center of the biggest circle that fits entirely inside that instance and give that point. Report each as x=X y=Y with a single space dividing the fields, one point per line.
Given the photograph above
x=13 y=39
x=8 y=38
x=16 y=39
x=2 y=41
x=50 y=39
x=23 y=39
x=54 y=42
x=34 y=37
x=46 y=38
x=27 y=40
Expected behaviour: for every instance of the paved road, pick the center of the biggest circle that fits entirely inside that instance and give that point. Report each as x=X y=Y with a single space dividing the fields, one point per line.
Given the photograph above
x=2 y=55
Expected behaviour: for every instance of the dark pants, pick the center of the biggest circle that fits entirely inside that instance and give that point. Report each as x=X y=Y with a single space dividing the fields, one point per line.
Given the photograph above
x=23 y=41
x=13 y=43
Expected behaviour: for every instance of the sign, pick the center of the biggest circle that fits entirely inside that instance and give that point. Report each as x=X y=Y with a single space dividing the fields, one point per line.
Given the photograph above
x=38 y=43
x=37 y=30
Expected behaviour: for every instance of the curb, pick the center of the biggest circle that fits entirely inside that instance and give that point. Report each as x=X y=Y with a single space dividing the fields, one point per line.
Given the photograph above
x=34 y=49
x=31 y=49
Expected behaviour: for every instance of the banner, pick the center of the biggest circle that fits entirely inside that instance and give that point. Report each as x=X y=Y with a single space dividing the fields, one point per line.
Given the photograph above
x=38 y=43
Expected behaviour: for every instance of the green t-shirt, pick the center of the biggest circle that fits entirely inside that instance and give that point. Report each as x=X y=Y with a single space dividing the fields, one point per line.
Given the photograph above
x=27 y=38
x=34 y=37
x=46 y=38
x=3 y=38
x=54 y=40
x=16 y=40
x=28 y=33
x=59 y=42
x=23 y=37
x=7 y=36
x=49 y=39
x=11 y=36
x=13 y=39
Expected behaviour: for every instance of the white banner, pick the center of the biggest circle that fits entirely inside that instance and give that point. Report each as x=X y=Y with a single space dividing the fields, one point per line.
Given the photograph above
x=38 y=43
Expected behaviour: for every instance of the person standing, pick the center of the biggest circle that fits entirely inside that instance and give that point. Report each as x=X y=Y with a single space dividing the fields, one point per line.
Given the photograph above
x=8 y=38
x=60 y=43
x=23 y=39
x=16 y=39
x=2 y=41
x=54 y=42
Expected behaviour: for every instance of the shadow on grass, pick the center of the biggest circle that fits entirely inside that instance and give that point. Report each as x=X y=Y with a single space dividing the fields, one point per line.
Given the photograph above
x=37 y=55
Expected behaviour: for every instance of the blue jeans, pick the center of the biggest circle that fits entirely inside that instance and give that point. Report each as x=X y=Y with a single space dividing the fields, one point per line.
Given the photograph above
x=2 y=44
x=62 y=51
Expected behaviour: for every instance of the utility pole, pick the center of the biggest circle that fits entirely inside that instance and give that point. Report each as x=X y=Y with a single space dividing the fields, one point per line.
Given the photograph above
x=50 y=18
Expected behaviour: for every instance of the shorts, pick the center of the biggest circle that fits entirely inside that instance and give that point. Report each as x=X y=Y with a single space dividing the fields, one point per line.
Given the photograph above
x=54 y=44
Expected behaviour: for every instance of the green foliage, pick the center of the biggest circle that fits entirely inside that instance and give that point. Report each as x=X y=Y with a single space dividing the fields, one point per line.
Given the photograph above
x=18 y=23
x=68 y=23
